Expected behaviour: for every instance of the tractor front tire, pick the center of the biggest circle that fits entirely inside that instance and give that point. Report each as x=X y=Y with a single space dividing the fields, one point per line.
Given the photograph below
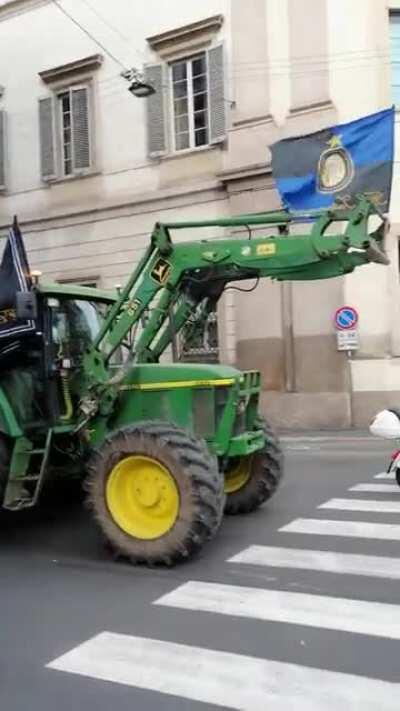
x=254 y=479
x=156 y=493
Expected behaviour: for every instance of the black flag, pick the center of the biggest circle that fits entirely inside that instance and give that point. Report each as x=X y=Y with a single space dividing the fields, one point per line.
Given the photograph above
x=14 y=276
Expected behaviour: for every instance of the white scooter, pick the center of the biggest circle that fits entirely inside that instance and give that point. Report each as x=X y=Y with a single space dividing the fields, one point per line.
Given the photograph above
x=387 y=425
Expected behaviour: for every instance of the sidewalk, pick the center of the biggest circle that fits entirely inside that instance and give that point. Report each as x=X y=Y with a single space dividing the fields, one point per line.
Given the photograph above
x=326 y=436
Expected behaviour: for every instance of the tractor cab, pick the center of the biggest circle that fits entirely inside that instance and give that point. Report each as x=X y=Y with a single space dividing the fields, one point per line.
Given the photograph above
x=39 y=375
x=70 y=318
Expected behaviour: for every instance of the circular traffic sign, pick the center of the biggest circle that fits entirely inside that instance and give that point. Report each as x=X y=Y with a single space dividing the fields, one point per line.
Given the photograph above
x=346 y=318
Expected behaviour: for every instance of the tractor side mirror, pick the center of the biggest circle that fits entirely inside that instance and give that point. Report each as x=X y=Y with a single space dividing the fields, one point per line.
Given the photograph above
x=26 y=306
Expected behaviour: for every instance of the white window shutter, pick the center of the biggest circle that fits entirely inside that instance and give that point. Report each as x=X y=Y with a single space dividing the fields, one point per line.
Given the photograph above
x=2 y=150
x=216 y=93
x=155 y=105
x=47 y=147
x=80 y=128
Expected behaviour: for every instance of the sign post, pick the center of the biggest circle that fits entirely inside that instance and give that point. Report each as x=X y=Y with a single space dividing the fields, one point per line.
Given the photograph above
x=346 y=320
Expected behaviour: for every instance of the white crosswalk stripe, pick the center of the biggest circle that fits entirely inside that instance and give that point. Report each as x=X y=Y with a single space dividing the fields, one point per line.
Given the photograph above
x=362 y=505
x=223 y=678
x=377 y=488
x=384 y=475
x=340 y=563
x=352 y=529
x=334 y=613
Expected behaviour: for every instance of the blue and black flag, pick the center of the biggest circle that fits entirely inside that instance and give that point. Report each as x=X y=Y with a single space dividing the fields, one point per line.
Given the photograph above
x=14 y=277
x=331 y=167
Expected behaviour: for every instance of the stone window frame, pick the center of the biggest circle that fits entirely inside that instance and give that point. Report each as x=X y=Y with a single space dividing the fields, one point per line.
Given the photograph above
x=190 y=99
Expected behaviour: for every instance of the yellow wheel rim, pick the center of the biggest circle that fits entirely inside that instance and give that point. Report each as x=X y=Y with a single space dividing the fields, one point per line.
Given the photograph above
x=238 y=475
x=142 y=497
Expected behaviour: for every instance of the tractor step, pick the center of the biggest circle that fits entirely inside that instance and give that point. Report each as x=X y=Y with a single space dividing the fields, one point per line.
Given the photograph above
x=16 y=496
x=30 y=477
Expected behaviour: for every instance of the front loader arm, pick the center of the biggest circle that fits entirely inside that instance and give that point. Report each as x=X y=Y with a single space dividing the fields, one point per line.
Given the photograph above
x=175 y=278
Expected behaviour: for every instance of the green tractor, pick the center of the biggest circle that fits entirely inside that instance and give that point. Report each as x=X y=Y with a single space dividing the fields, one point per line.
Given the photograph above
x=163 y=448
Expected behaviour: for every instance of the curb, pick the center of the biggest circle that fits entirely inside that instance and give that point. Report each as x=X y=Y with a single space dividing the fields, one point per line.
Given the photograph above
x=345 y=436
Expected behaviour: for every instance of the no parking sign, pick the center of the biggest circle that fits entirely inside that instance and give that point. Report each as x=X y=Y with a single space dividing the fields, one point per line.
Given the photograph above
x=346 y=320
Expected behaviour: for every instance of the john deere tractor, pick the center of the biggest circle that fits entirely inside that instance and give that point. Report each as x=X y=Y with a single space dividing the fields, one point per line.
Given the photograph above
x=163 y=448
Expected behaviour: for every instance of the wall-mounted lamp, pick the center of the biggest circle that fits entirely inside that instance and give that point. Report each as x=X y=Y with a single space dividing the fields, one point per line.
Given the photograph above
x=141 y=89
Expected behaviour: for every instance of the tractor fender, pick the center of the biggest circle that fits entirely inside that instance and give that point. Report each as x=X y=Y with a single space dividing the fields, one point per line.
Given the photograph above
x=8 y=423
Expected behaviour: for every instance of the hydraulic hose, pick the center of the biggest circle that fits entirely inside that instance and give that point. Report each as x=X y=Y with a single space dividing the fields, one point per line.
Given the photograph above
x=69 y=409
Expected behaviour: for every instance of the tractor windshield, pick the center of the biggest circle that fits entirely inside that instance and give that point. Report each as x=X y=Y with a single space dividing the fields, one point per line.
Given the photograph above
x=84 y=319
x=78 y=321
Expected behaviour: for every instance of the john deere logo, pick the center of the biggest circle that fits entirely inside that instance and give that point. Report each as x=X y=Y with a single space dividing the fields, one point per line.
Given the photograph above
x=335 y=167
x=161 y=271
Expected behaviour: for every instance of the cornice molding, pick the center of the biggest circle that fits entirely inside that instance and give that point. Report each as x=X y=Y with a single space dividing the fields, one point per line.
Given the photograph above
x=326 y=105
x=10 y=8
x=66 y=71
x=139 y=204
x=186 y=37
x=245 y=171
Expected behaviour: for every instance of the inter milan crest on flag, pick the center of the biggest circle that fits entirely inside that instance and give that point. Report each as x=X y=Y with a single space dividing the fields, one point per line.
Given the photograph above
x=14 y=277
x=331 y=167
x=335 y=167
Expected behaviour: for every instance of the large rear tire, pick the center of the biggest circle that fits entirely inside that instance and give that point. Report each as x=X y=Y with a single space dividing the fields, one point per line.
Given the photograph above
x=156 y=493
x=254 y=479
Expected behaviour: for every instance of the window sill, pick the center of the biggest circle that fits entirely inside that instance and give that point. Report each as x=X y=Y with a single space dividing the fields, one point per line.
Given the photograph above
x=68 y=178
x=192 y=151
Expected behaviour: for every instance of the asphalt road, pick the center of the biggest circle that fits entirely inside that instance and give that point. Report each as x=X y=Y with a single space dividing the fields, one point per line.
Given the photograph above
x=279 y=628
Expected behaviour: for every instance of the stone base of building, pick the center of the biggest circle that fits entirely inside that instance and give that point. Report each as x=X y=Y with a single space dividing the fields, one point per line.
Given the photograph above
x=367 y=404
x=301 y=411
x=306 y=410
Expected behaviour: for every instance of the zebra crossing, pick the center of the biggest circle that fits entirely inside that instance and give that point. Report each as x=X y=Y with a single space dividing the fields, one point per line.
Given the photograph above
x=224 y=678
x=377 y=488
x=324 y=561
x=369 y=618
x=246 y=682
x=384 y=475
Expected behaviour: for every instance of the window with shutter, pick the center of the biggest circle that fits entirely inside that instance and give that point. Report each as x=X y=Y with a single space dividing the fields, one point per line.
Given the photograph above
x=47 y=149
x=197 y=99
x=74 y=129
x=394 y=27
x=190 y=102
x=80 y=128
x=156 y=124
x=2 y=151
x=217 y=93
x=65 y=127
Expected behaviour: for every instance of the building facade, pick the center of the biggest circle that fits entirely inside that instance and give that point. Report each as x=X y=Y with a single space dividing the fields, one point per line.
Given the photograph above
x=89 y=168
